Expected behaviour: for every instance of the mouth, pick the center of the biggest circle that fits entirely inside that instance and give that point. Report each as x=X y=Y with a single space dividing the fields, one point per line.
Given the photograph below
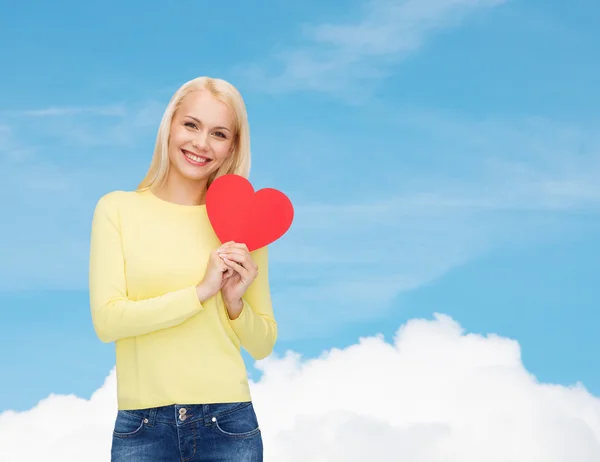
x=195 y=159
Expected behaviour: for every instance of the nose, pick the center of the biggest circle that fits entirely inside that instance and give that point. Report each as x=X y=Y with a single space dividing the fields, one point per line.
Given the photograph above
x=200 y=141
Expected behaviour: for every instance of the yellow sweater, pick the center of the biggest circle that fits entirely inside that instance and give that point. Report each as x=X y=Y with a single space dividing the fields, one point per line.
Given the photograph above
x=146 y=257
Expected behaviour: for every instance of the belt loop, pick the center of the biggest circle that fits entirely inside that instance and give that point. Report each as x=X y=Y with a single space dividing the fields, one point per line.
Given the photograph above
x=152 y=416
x=206 y=413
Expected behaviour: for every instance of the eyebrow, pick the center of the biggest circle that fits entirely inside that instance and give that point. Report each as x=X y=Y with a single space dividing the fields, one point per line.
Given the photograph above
x=197 y=120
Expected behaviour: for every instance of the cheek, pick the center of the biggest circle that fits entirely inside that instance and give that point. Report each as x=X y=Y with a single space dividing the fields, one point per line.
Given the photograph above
x=173 y=150
x=178 y=137
x=222 y=149
x=176 y=141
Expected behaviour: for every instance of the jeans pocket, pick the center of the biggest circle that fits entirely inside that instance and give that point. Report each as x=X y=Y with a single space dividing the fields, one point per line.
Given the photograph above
x=129 y=423
x=241 y=422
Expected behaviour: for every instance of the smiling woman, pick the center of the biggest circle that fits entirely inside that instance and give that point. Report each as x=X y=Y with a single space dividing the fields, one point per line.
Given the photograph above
x=200 y=143
x=178 y=304
x=204 y=125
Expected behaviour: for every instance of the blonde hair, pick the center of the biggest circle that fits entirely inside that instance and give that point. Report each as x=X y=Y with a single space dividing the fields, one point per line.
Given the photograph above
x=238 y=162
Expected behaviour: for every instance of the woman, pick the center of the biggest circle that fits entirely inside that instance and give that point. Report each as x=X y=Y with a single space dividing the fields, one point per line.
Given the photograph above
x=177 y=303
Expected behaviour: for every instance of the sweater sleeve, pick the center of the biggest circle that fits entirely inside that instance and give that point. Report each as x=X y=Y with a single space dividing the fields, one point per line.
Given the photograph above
x=114 y=316
x=255 y=326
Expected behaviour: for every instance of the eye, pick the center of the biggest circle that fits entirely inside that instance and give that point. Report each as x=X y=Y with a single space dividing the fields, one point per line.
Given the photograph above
x=221 y=134
x=190 y=124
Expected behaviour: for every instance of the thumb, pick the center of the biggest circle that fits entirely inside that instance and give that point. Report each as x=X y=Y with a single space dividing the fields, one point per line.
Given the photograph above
x=222 y=266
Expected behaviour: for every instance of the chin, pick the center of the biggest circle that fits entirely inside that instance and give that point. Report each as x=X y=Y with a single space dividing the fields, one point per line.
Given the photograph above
x=194 y=173
x=196 y=176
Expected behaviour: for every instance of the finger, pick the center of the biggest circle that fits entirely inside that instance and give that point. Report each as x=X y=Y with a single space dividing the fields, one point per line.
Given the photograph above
x=215 y=256
x=242 y=259
x=221 y=265
x=222 y=247
x=239 y=259
x=240 y=265
x=240 y=256
x=237 y=245
x=243 y=272
x=233 y=250
x=248 y=273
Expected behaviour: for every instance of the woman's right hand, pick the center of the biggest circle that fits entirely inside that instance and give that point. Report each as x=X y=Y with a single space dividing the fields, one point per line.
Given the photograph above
x=217 y=272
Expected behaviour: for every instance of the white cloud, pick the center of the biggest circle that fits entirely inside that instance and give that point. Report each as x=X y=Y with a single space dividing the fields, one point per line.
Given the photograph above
x=339 y=58
x=69 y=426
x=435 y=394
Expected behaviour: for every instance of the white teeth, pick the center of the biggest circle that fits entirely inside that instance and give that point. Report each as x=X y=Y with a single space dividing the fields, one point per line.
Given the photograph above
x=195 y=158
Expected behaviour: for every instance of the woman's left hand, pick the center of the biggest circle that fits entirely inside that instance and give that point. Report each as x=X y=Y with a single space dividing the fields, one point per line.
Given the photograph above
x=237 y=257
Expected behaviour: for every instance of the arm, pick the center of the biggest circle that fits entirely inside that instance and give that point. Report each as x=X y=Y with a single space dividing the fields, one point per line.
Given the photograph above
x=115 y=316
x=255 y=326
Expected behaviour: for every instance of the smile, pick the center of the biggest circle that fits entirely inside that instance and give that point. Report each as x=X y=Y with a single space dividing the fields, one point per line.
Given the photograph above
x=194 y=159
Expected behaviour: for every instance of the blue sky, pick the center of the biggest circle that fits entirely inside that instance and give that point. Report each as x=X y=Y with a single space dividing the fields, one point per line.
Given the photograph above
x=440 y=159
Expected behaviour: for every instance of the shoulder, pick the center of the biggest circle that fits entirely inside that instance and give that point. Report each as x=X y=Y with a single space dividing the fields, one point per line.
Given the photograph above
x=115 y=201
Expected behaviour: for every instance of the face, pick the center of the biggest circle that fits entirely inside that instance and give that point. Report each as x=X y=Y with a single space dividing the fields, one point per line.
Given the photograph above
x=202 y=133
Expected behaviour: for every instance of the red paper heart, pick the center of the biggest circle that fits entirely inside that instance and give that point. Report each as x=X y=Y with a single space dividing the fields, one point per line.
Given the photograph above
x=238 y=213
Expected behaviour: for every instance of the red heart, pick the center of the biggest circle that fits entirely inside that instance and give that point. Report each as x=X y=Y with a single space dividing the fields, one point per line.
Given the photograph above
x=238 y=213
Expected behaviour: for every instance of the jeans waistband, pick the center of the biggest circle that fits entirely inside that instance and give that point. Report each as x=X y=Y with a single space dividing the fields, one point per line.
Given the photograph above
x=183 y=414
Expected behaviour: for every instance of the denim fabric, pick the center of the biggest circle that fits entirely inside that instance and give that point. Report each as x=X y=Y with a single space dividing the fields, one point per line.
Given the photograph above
x=223 y=432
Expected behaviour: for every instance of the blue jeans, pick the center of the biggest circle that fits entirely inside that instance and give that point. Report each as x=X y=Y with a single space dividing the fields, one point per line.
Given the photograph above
x=224 y=432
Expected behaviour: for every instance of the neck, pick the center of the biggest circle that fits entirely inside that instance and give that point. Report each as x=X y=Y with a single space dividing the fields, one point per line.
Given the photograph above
x=182 y=191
